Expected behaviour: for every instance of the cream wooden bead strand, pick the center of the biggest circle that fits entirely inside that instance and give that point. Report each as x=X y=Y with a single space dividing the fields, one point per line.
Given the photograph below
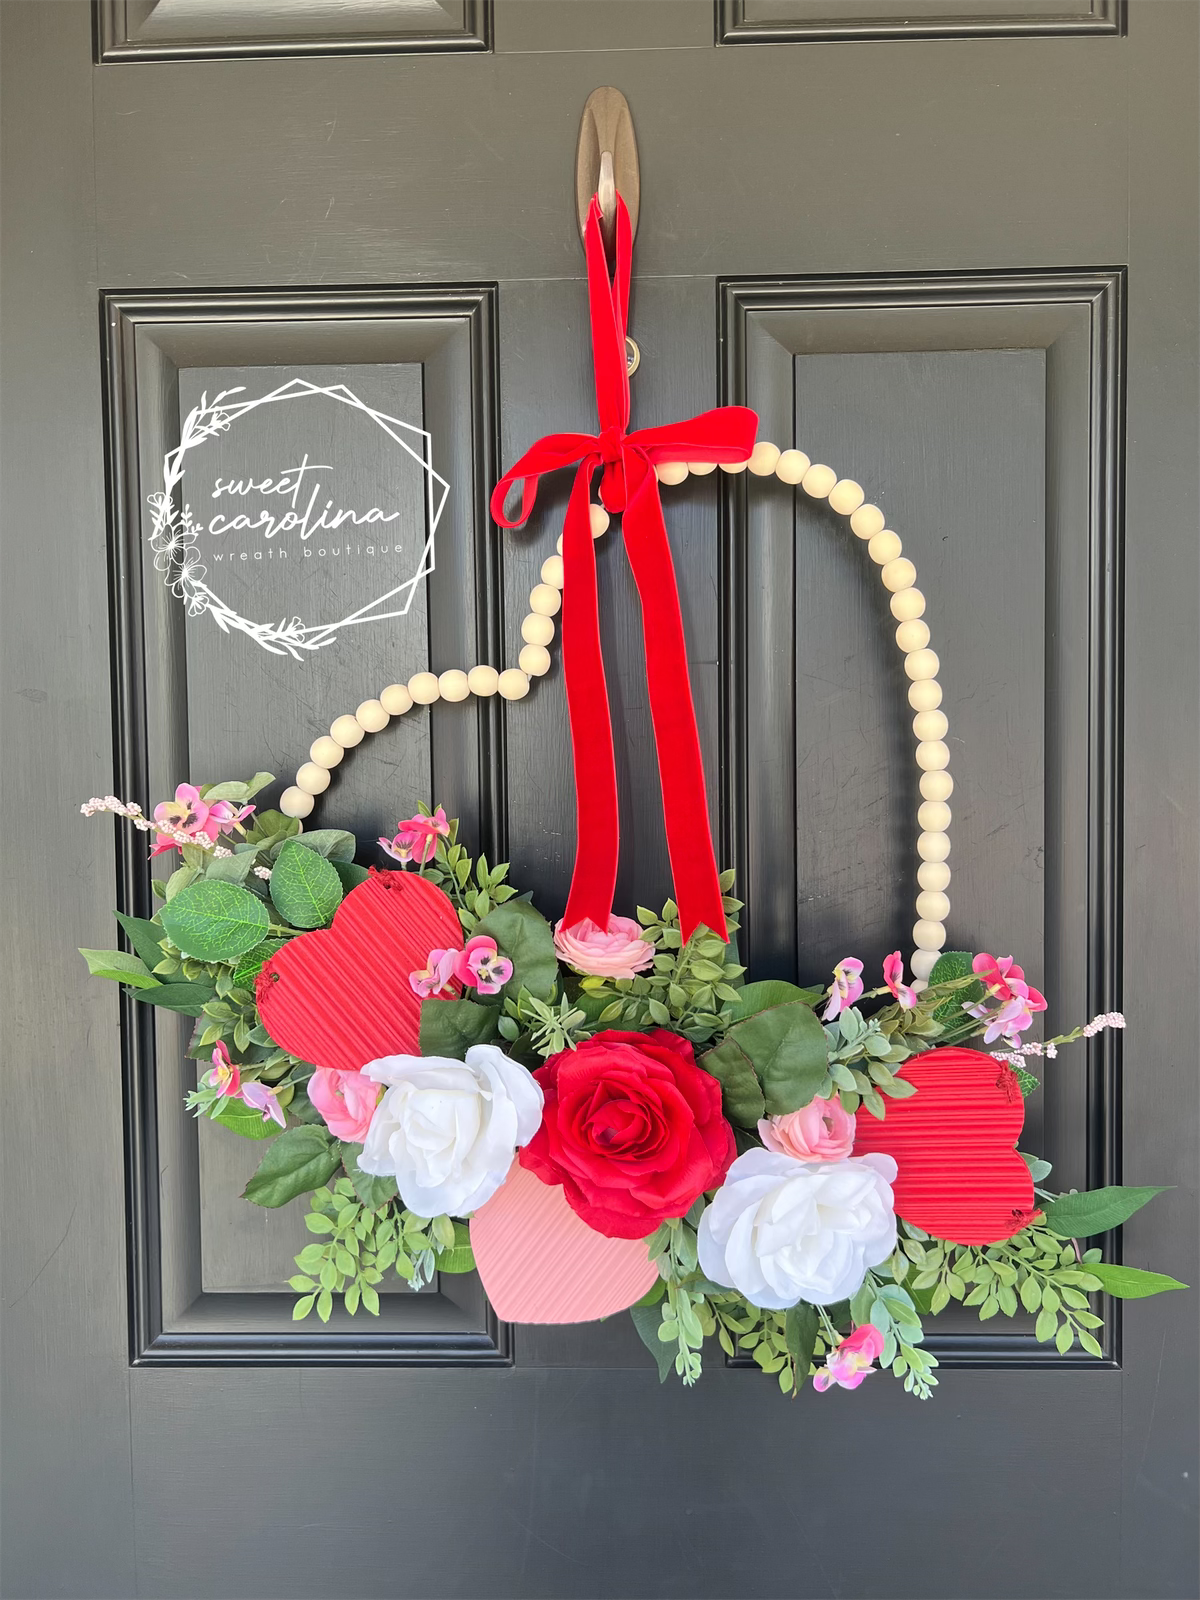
x=423 y=688
x=921 y=666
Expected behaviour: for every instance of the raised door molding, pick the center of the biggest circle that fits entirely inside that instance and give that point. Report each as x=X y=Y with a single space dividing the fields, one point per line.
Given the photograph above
x=184 y=30
x=813 y=21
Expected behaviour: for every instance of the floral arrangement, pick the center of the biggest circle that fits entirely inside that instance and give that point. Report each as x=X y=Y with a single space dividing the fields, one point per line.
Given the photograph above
x=600 y=1118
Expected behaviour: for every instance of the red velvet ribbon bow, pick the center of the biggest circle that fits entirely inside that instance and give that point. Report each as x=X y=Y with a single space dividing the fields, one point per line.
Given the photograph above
x=629 y=485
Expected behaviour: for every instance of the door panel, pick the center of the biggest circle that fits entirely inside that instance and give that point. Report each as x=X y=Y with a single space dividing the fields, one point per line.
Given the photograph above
x=950 y=263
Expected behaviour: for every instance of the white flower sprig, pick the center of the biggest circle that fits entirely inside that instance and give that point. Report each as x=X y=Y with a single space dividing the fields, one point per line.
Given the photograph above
x=132 y=812
x=1049 y=1049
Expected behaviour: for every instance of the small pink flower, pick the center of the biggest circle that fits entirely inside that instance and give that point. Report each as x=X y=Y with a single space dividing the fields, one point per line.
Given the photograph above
x=618 y=951
x=850 y=1362
x=438 y=974
x=481 y=967
x=893 y=976
x=1009 y=1022
x=260 y=1098
x=1007 y=980
x=226 y=1075
x=846 y=987
x=188 y=813
x=823 y=1130
x=416 y=838
x=346 y=1100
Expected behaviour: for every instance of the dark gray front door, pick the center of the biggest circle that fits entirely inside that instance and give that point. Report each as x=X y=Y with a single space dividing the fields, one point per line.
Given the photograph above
x=948 y=249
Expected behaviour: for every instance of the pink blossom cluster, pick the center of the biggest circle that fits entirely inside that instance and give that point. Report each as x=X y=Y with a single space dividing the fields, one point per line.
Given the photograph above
x=416 y=838
x=847 y=985
x=1005 y=982
x=226 y=1078
x=185 y=820
x=850 y=1362
x=479 y=966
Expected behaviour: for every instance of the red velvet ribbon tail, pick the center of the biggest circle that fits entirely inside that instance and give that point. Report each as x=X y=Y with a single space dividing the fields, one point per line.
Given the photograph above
x=680 y=762
x=597 y=842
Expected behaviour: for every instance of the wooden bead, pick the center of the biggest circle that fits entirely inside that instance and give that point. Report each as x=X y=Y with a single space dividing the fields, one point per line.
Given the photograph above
x=937 y=785
x=885 y=546
x=294 y=802
x=326 y=752
x=930 y=725
x=534 y=659
x=347 y=732
x=923 y=963
x=933 y=905
x=671 y=471
x=733 y=466
x=933 y=755
x=423 y=686
x=453 y=685
x=701 y=469
x=765 y=459
x=513 y=685
x=925 y=695
x=544 y=599
x=791 y=466
x=867 y=521
x=913 y=635
x=921 y=664
x=907 y=604
x=929 y=936
x=312 y=778
x=537 y=629
x=933 y=816
x=818 y=481
x=846 y=496
x=371 y=716
x=395 y=699
x=552 y=571
x=933 y=875
x=599 y=520
x=483 y=681
x=933 y=846
x=898 y=574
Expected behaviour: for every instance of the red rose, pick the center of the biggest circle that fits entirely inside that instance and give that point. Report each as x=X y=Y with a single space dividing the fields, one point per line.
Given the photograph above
x=632 y=1129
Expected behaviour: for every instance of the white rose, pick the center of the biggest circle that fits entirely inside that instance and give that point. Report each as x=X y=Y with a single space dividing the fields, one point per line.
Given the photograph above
x=781 y=1230
x=447 y=1130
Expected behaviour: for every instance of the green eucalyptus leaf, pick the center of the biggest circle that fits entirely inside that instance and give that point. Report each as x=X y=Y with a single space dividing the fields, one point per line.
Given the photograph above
x=525 y=937
x=458 y=1257
x=230 y=869
x=755 y=997
x=648 y=1320
x=786 y=1047
x=233 y=790
x=450 y=1027
x=1079 y=1216
x=800 y=1328
x=214 y=921
x=741 y=1093
x=1131 y=1283
x=350 y=873
x=188 y=999
x=949 y=965
x=300 y=1159
x=252 y=963
x=305 y=888
x=335 y=844
x=121 y=967
x=145 y=937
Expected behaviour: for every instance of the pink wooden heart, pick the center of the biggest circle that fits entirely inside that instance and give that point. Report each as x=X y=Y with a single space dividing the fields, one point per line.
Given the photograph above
x=954 y=1142
x=539 y=1262
x=340 y=997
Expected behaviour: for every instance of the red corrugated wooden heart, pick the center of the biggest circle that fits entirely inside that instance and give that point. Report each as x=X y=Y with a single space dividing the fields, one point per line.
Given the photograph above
x=959 y=1176
x=340 y=997
x=539 y=1262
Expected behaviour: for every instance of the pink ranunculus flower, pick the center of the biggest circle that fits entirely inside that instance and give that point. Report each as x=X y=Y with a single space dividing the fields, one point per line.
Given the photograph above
x=346 y=1100
x=226 y=1075
x=1007 y=980
x=823 y=1130
x=850 y=1363
x=263 y=1099
x=846 y=987
x=893 y=976
x=416 y=838
x=480 y=966
x=438 y=975
x=189 y=814
x=618 y=951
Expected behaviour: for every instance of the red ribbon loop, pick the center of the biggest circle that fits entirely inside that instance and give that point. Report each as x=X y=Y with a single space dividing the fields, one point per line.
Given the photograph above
x=629 y=485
